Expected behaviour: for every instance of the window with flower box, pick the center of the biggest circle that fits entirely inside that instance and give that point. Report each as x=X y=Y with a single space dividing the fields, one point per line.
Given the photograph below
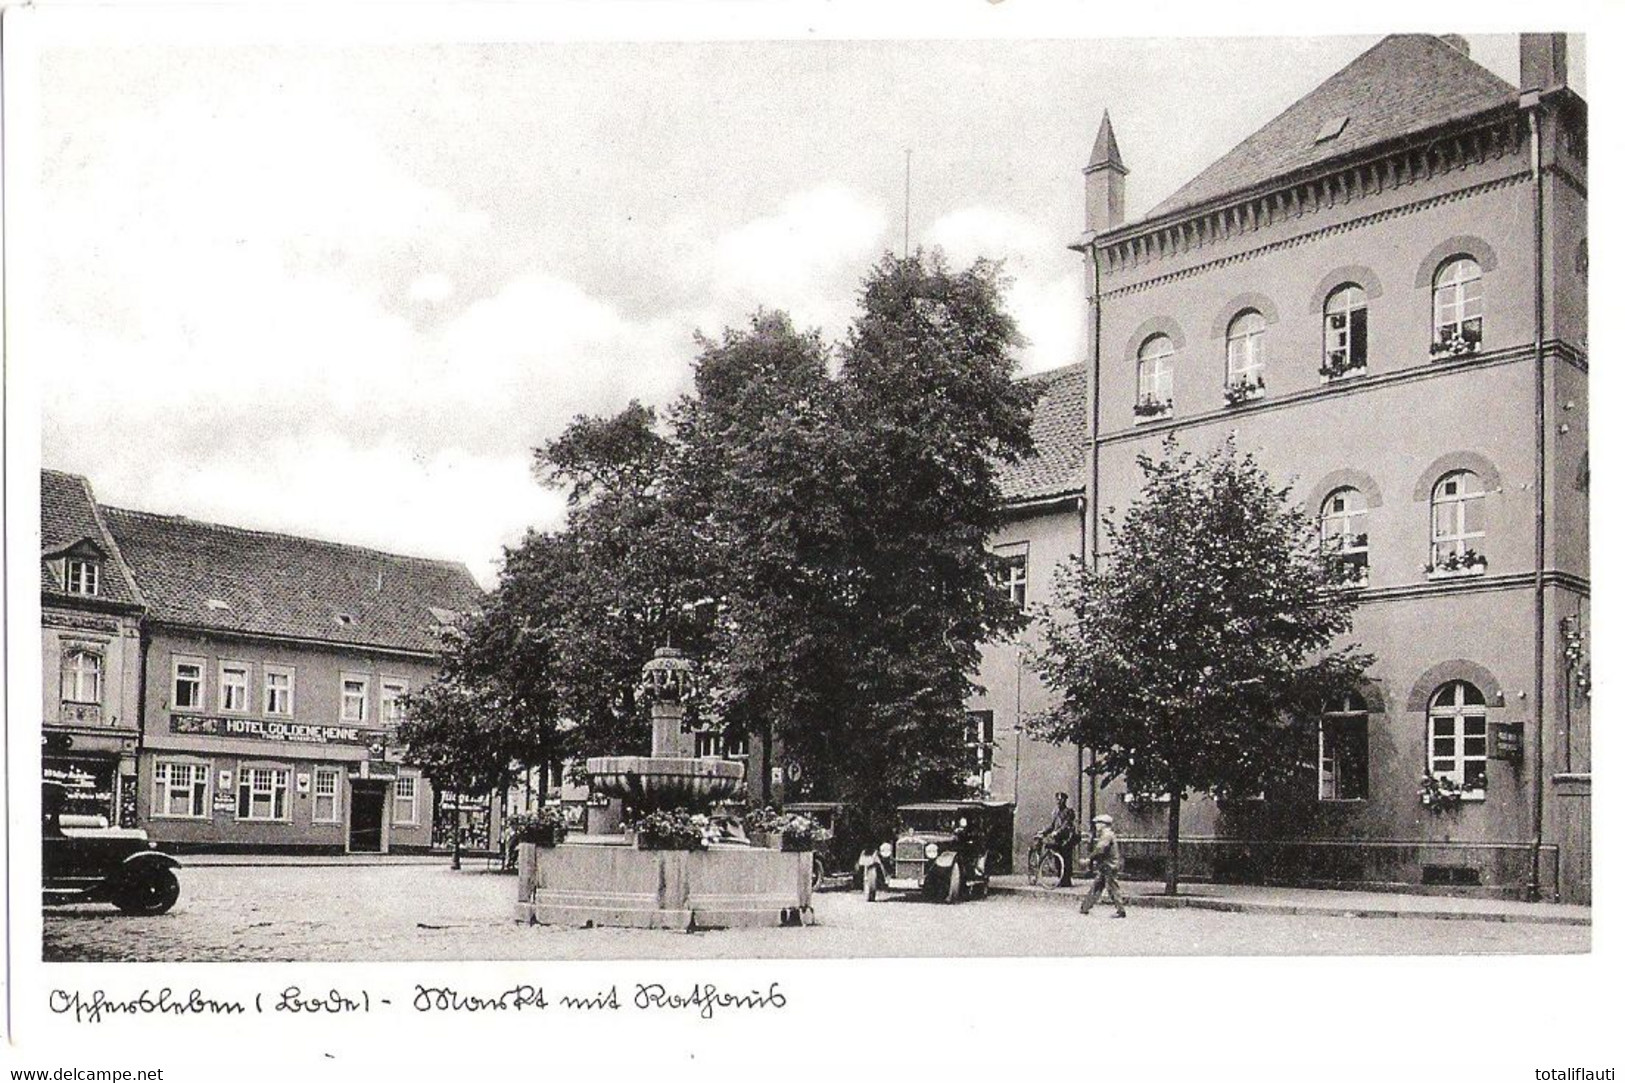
x=1156 y=378
x=1458 y=526
x=1345 y=341
x=1244 y=357
x=262 y=793
x=1343 y=533
x=1344 y=751
x=1458 y=737
x=81 y=677
x=1458 y=307
x=325 y=799
x=180 y=789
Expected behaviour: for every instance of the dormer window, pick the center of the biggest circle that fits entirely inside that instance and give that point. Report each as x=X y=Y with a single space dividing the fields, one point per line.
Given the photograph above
x=82 y=577
x=344 y=620
x=1332 y=128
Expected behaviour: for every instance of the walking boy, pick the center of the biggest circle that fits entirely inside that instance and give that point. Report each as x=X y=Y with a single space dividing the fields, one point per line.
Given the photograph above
x=1106 y=858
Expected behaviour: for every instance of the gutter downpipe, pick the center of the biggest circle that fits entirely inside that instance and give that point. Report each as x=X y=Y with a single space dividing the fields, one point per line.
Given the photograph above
x=1530 y=101
x=1092 y=254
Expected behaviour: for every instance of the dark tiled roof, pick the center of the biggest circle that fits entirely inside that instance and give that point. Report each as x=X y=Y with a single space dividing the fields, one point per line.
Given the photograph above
x=68 y=516
x=1403 y=85
x=226 y=578
x=1060 y=437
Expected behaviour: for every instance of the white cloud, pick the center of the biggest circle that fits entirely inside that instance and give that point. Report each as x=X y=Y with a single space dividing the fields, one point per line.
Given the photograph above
x=430 y=289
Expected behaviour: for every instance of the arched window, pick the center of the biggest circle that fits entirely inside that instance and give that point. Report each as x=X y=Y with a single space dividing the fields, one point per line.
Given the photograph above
x=1343 y=531
x=1458 y=524
x=1344 y=748
x=1458 y=736
x=1244 y=351
x=1458 y=307
x=81 y=677
x=1345 y=332
x=1156 y=377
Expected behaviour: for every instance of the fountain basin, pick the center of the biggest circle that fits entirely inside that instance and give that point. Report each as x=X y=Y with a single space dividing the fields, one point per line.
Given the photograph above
x=666 y=782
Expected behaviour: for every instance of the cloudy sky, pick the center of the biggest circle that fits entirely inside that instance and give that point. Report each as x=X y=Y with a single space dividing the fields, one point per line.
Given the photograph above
x=344 y=289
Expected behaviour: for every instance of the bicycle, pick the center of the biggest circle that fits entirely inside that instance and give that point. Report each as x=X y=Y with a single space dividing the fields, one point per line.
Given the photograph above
x=1044 y=864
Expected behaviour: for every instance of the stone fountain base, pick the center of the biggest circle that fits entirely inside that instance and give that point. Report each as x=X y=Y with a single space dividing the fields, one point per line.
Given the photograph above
x=605 y=880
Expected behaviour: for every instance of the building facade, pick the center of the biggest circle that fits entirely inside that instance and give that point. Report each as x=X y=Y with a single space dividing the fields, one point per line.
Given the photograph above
x=273 y=670
x=91 y=655
x=1381 y=294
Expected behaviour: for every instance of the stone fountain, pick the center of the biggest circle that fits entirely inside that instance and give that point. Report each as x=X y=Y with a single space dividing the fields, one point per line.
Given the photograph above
x=608 y=880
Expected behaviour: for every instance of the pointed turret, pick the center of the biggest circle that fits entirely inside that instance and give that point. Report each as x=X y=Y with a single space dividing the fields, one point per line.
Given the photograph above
x=1103 y=188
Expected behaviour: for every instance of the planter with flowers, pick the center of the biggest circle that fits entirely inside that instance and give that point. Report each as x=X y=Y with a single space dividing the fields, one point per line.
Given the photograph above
x=545 y=827
x=671 y=831
x=1243 y=390
x=1147 y=407
x=1439 y=794
x=1337 y=365
x=1454 y=342
x=1455 y=565
x=784 y=831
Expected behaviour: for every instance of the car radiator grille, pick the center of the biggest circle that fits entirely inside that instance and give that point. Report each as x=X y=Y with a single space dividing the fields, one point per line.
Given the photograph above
x=911 y=870
x=910 y=851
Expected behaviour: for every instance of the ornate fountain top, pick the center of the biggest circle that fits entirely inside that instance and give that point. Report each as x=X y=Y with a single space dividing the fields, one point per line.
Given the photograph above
x=668 y=676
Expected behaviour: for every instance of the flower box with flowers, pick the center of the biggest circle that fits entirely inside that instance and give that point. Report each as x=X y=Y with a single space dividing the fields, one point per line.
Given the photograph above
x=1457 y=565
x=1243 y=390
x=672 y=831
x=1147 y=407
x=1439 y=794
x=784 y=831
x=546 y=827
x=1337 y=365
x=1454 y=342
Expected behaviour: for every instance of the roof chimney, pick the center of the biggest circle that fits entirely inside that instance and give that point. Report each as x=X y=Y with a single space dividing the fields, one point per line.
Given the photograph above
x=1543 y=61
x=1103 y=181
x=1458 y=43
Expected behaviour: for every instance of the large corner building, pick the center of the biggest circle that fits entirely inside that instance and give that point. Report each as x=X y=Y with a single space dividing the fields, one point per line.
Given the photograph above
x=1382 y=294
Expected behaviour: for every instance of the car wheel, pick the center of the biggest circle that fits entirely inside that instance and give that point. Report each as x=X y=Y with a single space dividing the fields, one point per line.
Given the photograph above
x=818 y=872
x=871 y=883
x=954 y=886
x=152 y=892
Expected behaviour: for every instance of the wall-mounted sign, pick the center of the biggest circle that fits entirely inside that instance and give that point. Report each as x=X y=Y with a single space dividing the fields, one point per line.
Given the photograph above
x=1508 y=741
x=263 y=729
x=303 y=782
x=225 y=780
x=778 y=776
x=224 y=802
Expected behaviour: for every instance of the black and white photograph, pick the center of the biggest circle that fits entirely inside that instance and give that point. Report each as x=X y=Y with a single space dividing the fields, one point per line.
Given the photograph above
x=791 y=487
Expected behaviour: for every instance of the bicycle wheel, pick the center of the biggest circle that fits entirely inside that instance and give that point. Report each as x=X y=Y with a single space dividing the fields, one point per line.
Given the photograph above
x=1049 y=870
x=1035 y=857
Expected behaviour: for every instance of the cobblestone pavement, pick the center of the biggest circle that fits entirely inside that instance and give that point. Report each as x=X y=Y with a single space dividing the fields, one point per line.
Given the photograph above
x=389 y=913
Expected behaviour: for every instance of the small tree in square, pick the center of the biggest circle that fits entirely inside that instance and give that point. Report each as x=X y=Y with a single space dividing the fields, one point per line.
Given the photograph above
x=1200 y=655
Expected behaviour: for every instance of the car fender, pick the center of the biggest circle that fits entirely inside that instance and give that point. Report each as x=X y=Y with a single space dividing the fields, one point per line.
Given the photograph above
x=869 y=857
x=945 y=858
x=150 y=859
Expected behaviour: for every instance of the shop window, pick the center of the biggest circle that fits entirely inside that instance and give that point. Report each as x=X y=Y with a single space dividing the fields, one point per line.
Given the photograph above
x=187 y=693
x=180 y=789
x=353 y=698
x=278 y=691
x=1458 y=307
x=1156 y=377
x=83 y=577
x=1345 y=342
x=81 y=677
x=1344 y=751
x=1458 y=737
x=1343 y=533
x=1458 y=526
x=1012 y=560
x=234 y=687
x=262 y=793
x=325 y=800
x=406 y=800
x=1244 y=357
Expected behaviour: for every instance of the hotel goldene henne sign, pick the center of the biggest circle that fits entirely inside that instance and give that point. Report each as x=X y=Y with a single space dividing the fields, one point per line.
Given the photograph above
x=264 y=729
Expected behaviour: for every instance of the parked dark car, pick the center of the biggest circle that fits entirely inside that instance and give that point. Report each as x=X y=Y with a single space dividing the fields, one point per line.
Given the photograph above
x=83 y=860
x=835 y=861
x=947 y=849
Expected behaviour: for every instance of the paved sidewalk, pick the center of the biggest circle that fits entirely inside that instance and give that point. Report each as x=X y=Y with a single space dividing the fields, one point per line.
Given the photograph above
x=340 y=860
x=1254 y=899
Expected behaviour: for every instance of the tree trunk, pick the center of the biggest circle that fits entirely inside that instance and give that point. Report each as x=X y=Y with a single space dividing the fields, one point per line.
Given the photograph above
x=1170 y=885
x=456 y=829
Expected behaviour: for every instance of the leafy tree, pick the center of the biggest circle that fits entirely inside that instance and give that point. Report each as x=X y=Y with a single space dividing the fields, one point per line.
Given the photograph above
x=453 y=732
x=1200 y=656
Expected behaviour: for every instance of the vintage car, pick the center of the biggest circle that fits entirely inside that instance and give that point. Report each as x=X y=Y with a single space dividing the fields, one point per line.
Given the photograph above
x=835 y=861
x=947 y=849
x=84 y=860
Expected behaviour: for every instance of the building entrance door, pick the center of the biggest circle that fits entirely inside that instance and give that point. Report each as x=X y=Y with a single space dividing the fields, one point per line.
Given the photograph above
x=366 y=817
